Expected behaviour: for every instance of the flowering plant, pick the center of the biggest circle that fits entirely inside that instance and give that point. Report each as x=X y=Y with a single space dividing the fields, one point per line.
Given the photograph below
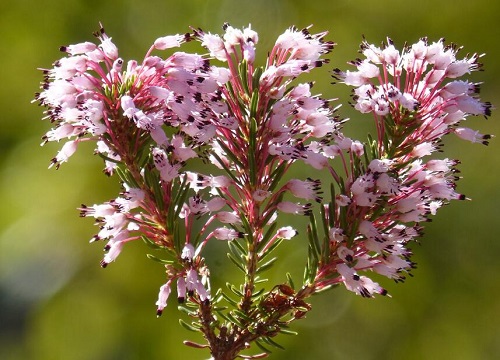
x=153 y=121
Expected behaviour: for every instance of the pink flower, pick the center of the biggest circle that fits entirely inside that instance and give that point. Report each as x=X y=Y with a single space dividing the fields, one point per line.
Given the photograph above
x=162 y=298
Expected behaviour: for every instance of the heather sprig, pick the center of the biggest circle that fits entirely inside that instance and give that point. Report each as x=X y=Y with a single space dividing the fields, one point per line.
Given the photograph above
x=153 y=120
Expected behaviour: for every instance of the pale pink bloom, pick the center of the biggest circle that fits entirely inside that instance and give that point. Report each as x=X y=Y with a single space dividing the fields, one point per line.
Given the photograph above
x=365 y=199
x=391 y=55
x=224 y=233
x=227 y=217
x=368 y=229
x=316 y=160
x=472 y=135
x=412 y=215
x=180 y=151
x=354 y=78
x=219 y=74
x=360 y=285
x=387 y=185
x=444 y=191
x=344 y=142
x=301 y=45
x=216 y=203
x=391 y=266
x=286 y=232
x=70 y=67
x=260 y=195
x=168 y=42
x=113 y=225
x=163 y=298
x=187 y=252
x=63 y=131
x=368 y=70
x=181 y=289
x=202 y=291
x=134 y=196
x=439 y=165
x=458 y=87
x=158 y=135
x=113 y=252
x=409 y=203
x=345 y=253
x=434 y=206
x=107 y=46
x=458 y=68
x=308 y=189
x=232 y=36
x=408 y=101
x=379 y=165
x=336 y=234
x=373 y=53
x=128 y=106
x=97 y=211
x=167 y=171
x=64 y=154
x=342 y=200
x=294 y=208
x=357 y=148
x=362 y=184
x=81 y=48
x=215 y=45
x=423 y=149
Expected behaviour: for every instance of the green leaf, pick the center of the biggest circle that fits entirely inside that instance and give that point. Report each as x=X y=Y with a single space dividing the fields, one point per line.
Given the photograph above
x=225 y=316
x=288 y=332
x=311 y=266
x=234 y=290
x=161 y=261
x=150 y=243
x=277 y=175
x=233 y=319
x=256 y=294
x=266 y=265
x=259 y=344
x=125 y=176
x=252 y=151
x=188 y=326
x=268 y=234
x=236 y=249
x=257 y=73
x=243 y=72
x=271 y=248
x=258 y=280
x=270 y=341
x=184 y=309
x=331 y=207
x=290 y=280
x=228 y=299
x=241 y=315
x=312 y=233
x=226 y=169
x=104 y=157
x=230 y=154
x=237 y=262
x=254 y=104
x=181 y=191
x=325 y=288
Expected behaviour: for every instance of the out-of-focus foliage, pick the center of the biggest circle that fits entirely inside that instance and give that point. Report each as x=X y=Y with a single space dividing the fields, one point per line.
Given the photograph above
x=57 y=303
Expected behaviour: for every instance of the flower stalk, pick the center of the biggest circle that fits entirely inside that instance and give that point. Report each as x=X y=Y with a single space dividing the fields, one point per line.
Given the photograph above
x=251 y=124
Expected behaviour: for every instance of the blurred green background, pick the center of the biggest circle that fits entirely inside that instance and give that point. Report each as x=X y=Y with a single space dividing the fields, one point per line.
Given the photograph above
x=57 y=303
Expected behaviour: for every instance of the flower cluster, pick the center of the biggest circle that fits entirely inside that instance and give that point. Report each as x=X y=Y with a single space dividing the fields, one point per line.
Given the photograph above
x=250 y=124
x=147 y=120
x=415 y=101
x=91 y=94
